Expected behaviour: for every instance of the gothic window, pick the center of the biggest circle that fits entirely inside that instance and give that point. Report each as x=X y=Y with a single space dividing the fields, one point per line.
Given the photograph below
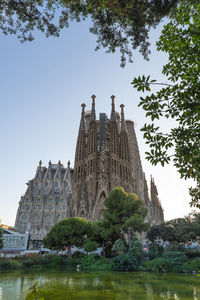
x=79 y=170
x=115 y=166
x=68 y=188
x=58 y=218
x=35 y=219
x=23 y=218
x=47 y=220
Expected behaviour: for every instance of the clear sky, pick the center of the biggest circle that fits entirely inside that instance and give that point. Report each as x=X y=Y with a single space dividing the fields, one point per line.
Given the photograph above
x=42 y=85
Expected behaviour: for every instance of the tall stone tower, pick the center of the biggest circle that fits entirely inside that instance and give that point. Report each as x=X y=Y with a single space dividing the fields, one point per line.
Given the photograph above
x=107 y=156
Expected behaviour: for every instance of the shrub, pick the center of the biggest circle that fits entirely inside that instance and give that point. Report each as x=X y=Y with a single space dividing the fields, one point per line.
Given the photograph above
x=136 y=249
x=126 y=262
x=155 y=251
x=132 y=259
x=175 y=247
x=78 y=254
x=160 y=264
x=45 y=260
x=59 y=261
x=177 y=258
x=192 y=253
x=27 y=263
x=94 y=262
x=6 y=264
x=192 y=265
x=119 y=246
x=90 y=245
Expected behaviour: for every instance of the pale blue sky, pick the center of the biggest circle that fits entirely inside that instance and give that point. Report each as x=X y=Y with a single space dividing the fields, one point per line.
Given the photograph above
x=42 y=86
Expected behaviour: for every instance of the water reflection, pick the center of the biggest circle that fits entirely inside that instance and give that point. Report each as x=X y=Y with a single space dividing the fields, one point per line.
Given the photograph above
x=69 y=285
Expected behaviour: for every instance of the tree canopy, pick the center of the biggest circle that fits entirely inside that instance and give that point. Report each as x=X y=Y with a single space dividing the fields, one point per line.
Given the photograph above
x=68 y=232
x=181 y=230
x=118 y=24
x=179 y=99
x=123 y=213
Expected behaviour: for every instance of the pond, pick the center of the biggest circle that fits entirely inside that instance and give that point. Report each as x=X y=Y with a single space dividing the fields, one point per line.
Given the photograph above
x=72 y=285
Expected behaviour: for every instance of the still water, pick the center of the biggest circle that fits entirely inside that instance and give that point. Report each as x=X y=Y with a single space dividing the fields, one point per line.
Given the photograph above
x=72 y=285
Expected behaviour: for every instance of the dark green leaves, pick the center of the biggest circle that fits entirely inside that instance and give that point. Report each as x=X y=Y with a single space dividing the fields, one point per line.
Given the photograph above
x=118 y=25
x=179 y=101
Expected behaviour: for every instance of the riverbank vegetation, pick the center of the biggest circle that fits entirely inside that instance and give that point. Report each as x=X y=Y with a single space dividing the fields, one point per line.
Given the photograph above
x=134 y=258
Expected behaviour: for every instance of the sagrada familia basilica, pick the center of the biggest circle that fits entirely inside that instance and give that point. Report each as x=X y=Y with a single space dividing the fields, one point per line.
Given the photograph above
x=107 y=156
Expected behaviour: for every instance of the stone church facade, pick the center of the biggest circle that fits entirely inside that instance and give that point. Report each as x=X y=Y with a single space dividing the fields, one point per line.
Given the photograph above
x=107 y=156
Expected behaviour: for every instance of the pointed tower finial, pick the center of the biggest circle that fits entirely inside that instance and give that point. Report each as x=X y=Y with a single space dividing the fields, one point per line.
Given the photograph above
x=83 y=108
x=93 y=113
x=82 y=123
x=50 y=162
x=122 y=111
x=40 y=163
x=123 y=124
x=68 y=164
x=113 y=116
x=59 y=162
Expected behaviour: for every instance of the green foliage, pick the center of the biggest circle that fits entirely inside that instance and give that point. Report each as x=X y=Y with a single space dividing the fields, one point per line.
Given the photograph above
x=78 y=254
x=28 y=263
x=94 y=262
x=176 y=258
x=119 y=246
x=122 y=25
x=136 y=248
x=192 y=253
x=123 y=213
x=155 y=250
x=8 y=264
x=177 y=231
x=132 y=259
x=34 y=293
x=68 y=232
x=126 y=262
x=177 y=100
x=160 y=264
x=171 y=261
x=90 y=245
x=175 y=247
x=58 y=261
x=192 y=265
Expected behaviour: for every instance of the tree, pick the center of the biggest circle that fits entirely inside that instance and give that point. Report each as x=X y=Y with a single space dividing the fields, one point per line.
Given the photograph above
x=177 y=100
x=90 y=245
x=181 y=231
x=118 y=24
x=123 y=213
x=68 y=232
x=1 y=238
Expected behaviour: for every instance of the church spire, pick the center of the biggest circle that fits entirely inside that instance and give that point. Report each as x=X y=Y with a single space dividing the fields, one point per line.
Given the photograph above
x=93 y=113
x=113 y=114
x=82 y=123
x=123 y=124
